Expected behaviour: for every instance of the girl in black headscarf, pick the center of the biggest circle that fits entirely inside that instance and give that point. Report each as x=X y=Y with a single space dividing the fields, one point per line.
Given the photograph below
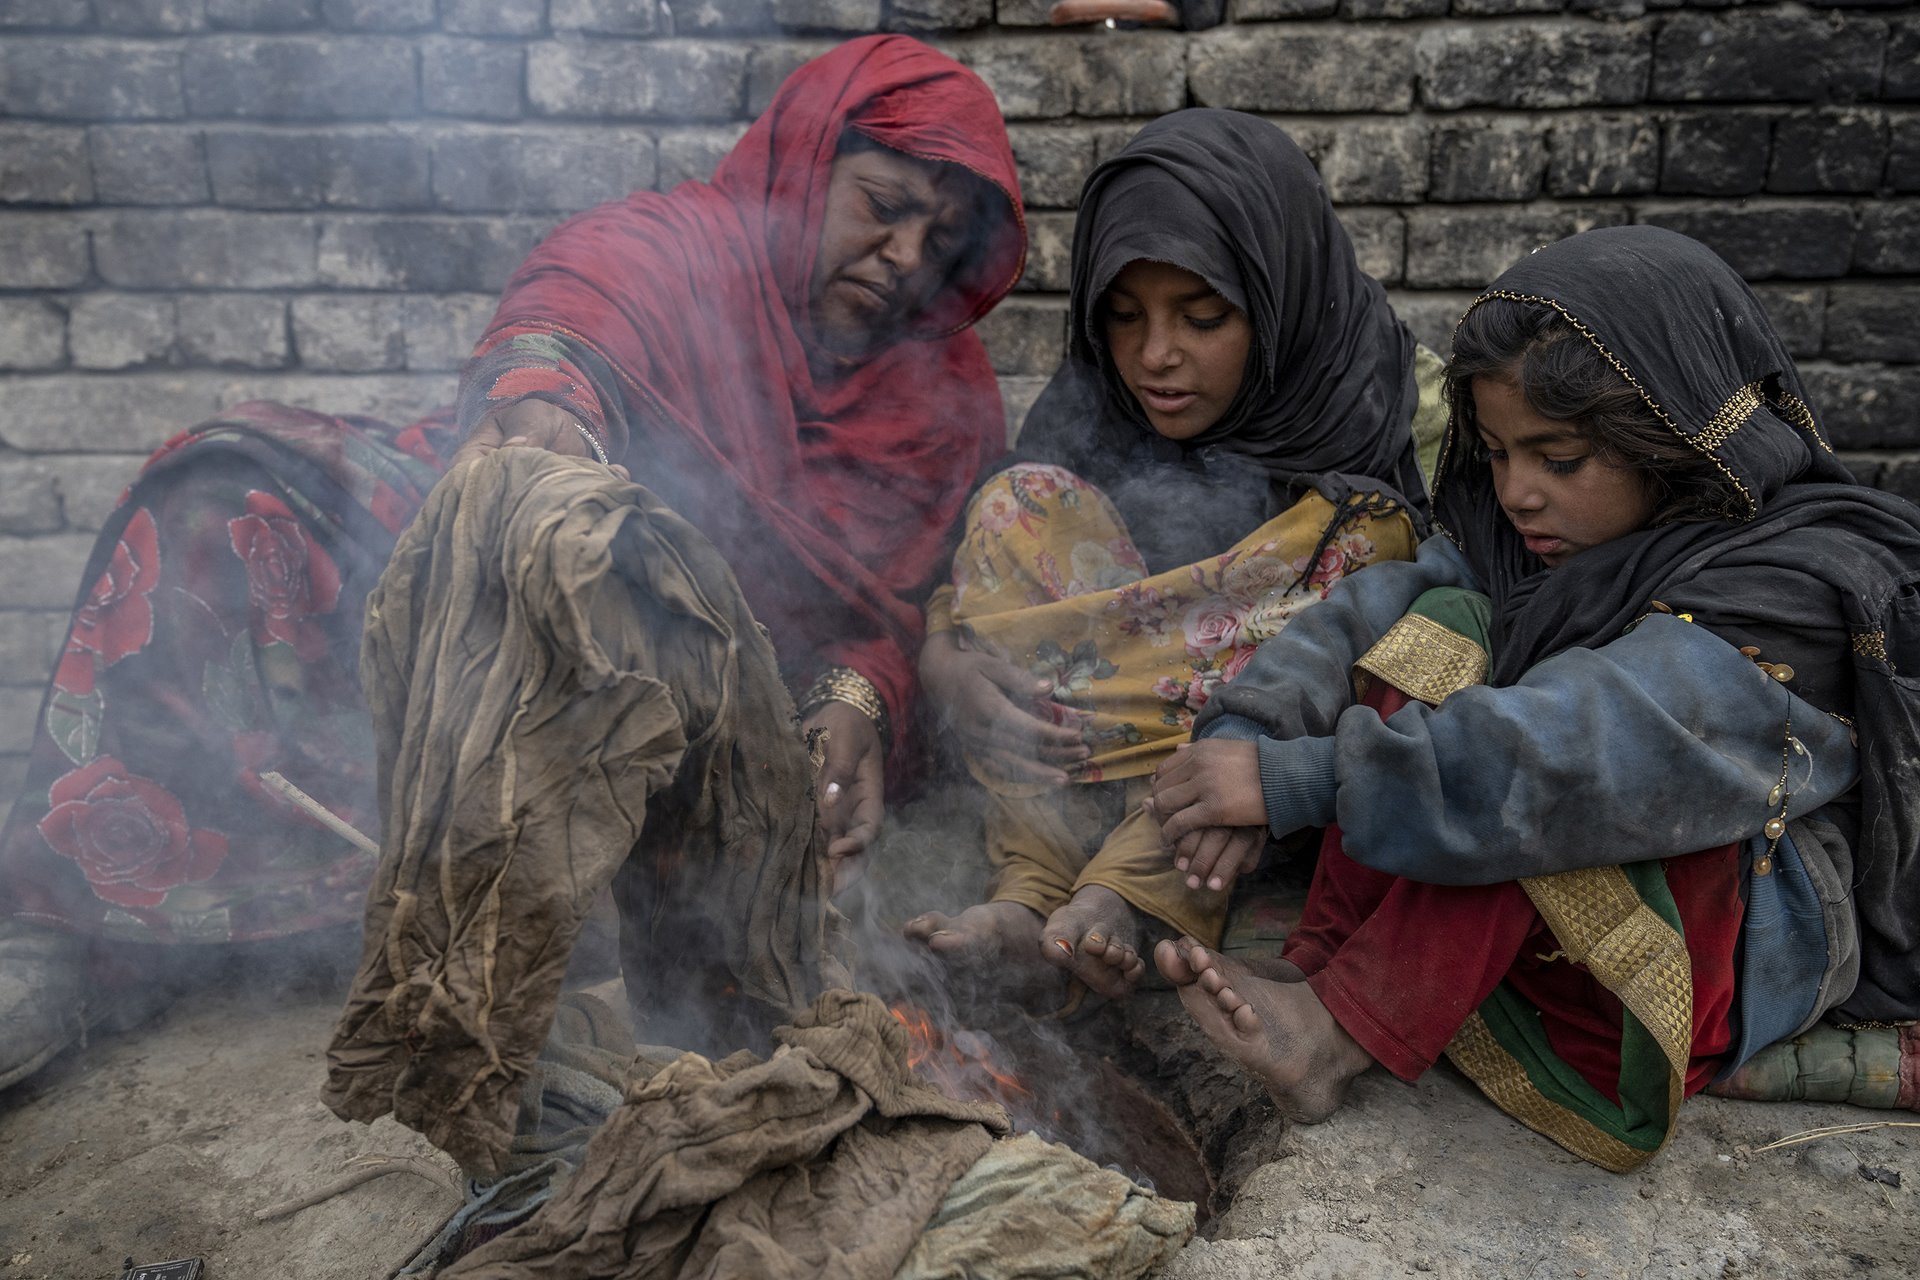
x=1232 y=431
x=1678 y=821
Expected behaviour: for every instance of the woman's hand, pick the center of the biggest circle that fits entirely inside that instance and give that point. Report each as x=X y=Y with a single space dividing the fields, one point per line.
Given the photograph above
x=1211 y=810
x=849 y=791
x=534 y=424
x=988 y=701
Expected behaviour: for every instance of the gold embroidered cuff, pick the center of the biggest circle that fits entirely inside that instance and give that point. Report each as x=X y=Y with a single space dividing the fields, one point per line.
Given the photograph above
x=1424 y=659
x=844 y=684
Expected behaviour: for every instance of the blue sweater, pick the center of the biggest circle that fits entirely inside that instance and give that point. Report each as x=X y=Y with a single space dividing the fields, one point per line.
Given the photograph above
x=1662 y=742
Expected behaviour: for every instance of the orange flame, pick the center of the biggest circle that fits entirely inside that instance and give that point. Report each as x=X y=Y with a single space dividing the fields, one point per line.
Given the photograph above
x=962 y=1063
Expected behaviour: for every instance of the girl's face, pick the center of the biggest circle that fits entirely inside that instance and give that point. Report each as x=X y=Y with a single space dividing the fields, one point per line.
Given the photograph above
x=1180 y=347
x=1559 y=494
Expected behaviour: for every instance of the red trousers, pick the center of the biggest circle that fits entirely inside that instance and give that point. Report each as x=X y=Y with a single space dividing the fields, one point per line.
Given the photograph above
x=1401 y=964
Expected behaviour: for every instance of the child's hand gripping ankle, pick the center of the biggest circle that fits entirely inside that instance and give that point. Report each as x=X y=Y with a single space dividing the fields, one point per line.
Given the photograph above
x=1211 y=811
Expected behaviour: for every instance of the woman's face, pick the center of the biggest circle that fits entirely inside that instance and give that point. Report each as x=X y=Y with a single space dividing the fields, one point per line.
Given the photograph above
x=895 y=229
x=1180 y=347
x=1560 y=495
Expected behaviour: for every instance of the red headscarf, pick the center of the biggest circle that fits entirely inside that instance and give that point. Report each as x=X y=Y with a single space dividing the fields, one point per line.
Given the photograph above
x=831 y=494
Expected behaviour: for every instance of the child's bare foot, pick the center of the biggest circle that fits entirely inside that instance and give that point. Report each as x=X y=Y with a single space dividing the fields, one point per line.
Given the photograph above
x=995 y=943
x=1272 y=968
x=1096 y=938
x=1277 y=1030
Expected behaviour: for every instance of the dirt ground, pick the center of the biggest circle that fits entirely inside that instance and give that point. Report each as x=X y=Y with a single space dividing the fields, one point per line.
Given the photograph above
x=162 y=1142
x=1431 y=1179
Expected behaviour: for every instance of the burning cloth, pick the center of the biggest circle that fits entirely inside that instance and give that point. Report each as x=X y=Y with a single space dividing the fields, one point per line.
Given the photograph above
x=554 y=662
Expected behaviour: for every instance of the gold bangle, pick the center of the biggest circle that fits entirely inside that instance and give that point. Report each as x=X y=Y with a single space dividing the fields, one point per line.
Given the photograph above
x=844 y=684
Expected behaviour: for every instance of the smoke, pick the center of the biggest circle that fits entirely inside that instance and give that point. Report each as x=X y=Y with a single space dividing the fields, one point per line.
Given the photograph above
x=933 y=858
x=1064 y=1086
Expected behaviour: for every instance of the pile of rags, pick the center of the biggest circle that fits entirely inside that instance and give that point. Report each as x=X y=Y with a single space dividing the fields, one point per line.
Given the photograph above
x=827 y=1158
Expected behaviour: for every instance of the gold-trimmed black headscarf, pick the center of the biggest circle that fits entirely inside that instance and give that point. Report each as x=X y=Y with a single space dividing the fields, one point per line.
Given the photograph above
x=1814 y=570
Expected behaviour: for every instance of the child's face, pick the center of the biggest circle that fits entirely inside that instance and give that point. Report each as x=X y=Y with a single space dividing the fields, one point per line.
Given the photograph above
x=1558 y=493
x=1180 y=347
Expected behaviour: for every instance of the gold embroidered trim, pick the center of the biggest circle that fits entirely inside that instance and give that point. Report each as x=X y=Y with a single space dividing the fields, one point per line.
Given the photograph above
x=1620 y=367
x=1732 y=416
x=1599 y=918
x=1801 y=415
x=1871 y=644
x=1600 y=922
x=1710 y=437
x=1500 y=1076
x=1425 y=660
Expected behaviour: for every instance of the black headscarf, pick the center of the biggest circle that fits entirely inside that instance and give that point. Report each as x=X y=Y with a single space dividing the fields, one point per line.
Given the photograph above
x=1329 y=394
x=1815 y=570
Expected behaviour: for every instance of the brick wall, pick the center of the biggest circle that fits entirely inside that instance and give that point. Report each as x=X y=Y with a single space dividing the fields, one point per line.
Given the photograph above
x=203 y=201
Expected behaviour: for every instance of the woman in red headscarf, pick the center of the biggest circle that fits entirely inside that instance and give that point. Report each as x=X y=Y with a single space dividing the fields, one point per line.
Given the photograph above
x=782 y=354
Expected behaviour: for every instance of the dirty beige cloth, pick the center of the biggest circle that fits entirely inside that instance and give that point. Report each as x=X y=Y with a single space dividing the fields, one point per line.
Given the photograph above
x=1030 y=1207
x=556 y=662
x=825 y=1159
x=1027 y=1207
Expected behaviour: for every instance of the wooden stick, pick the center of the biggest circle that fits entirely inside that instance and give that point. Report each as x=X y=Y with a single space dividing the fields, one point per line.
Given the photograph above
x=1835 y=1130
x=365 y=1169
x=320 y=813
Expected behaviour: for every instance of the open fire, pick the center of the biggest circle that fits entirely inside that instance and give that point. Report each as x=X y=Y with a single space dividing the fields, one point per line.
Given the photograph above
x=964 y=1065
x=1084 y=1103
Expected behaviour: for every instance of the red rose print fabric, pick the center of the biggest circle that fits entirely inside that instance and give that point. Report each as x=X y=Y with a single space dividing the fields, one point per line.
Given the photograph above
x=1048 y=575
x=291 y=580
x=128 y=834
x=217 y=638
x=115 y=619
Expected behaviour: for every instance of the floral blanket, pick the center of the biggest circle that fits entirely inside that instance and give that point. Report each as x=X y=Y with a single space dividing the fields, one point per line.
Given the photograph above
x=216 y=638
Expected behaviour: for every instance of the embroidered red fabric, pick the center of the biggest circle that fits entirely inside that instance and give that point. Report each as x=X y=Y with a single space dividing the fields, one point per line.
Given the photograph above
x=1401 y=964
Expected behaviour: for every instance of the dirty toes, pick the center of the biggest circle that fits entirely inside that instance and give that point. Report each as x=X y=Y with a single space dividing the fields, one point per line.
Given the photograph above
x=986 y=936
x=1277 y=1031
x=1095 y=938
x=944 y=935
x=1119 y=956
x=1170 y=957
x=924 y=926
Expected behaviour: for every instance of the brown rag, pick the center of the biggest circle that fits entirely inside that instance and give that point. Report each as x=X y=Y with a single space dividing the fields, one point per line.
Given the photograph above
x=826 y=1159
x=554 y=662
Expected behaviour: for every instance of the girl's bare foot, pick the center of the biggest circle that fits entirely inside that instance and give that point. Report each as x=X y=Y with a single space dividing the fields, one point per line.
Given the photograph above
x=1272 y=968
x=1096 y=938
x=1277 y=1030
x=995 y=944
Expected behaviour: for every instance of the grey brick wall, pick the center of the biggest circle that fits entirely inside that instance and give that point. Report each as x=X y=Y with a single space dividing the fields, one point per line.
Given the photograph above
x=203 y=201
